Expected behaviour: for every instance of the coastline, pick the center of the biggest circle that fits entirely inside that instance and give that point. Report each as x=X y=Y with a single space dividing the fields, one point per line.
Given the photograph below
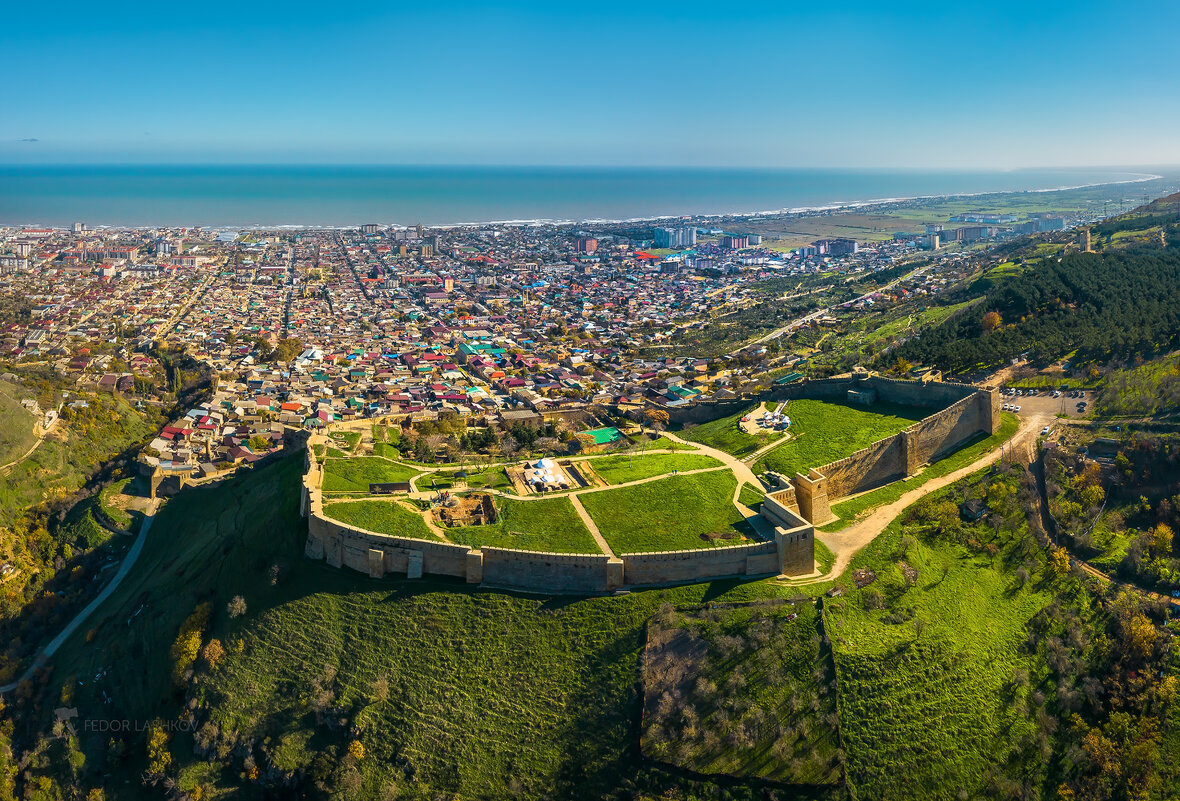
x=836 y=207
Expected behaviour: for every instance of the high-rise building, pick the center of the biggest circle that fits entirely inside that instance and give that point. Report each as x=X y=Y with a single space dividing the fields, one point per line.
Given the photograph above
x=1084 y=240
x=586 y=244
x=79 y=227
x=370 y=228
x=732 y=242
x=684 y=237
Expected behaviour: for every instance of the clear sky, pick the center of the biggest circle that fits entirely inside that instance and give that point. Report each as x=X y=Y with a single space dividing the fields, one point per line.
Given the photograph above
x=858 y=84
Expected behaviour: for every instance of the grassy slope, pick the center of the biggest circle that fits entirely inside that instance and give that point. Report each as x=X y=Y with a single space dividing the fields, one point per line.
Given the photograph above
x=724 y=434
x=823 y=432
x=355 y=475
x=16 y=424
x=666 y=515
x=550 y=524
x=934 y=702
x=490 y=692
x=621 y=469
x=67 y=458
x=384 y=517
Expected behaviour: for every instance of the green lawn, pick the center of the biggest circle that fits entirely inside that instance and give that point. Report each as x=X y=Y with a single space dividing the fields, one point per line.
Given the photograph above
x=550 y=524
x=492 y=478
x=822 y=432
x=623 y=468
x=383 y=517
x=345 y=440
x=355 y=474
x=849 y=510
x=668 y=515
x=724 y=434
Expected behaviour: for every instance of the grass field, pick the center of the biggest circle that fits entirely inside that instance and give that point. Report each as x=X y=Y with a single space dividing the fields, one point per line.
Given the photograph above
x=822 y=432
x=725 y=435
x=492 y=695
x=847 y=511
x=355 y=475
x=935 y=695
x=383 y=517
x=670 y=514
x=492 y=478
x=623 y=468
x=549 y=524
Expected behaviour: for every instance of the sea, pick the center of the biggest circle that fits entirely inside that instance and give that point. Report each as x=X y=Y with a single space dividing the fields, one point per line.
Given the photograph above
x=302 y=195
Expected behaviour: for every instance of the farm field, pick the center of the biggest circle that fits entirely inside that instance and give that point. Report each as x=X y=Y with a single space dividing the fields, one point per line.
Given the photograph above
x=355 y=474
x=383 y=517
x=669 y=514
x=623 y=468
x=822 y=432
x=549 y=524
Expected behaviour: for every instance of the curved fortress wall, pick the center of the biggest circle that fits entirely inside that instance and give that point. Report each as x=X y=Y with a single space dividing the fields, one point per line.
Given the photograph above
x=791 y=511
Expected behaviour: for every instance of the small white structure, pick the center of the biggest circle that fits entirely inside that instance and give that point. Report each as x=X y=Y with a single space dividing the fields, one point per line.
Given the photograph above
x=545 y=475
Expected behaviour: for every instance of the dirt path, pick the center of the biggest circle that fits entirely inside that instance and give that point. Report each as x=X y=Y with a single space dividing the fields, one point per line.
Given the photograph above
x=847 y=542
x=41 y=434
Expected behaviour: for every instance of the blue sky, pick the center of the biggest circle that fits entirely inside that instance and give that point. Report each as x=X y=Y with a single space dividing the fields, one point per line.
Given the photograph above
x=885 y=84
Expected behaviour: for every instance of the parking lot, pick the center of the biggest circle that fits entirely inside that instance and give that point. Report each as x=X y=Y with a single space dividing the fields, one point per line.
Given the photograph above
x=1044 y=403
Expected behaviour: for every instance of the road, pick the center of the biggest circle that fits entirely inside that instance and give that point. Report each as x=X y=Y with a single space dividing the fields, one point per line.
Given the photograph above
x=778 y=332
x=128 y=562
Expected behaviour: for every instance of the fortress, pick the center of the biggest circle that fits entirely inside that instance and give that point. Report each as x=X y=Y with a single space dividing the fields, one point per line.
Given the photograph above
x=791 y=509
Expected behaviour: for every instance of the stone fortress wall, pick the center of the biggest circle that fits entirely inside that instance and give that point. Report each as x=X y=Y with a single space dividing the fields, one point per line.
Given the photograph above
x=792 y=511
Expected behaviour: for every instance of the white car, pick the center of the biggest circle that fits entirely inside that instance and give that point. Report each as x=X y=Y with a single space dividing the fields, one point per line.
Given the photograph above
x=1045 y=431
x=1015 y=408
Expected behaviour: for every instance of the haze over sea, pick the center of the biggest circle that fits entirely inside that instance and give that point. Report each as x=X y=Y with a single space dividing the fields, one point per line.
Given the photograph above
x=439 y=195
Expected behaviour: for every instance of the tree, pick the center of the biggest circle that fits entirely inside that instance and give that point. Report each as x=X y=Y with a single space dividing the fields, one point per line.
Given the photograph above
x=656 y=418
x=1161 y=540
x=992 y=321
x=236 y=607
x=213 y=652
x=356 y=750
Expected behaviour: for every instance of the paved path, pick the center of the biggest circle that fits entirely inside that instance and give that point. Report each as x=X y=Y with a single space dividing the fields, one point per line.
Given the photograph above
x=592 y=526
x=125 y=568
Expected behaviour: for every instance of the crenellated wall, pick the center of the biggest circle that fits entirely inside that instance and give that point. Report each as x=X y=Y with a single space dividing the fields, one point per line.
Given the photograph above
x=969 y=413
x=791 y=511
x=702 y=564
x=539 y=571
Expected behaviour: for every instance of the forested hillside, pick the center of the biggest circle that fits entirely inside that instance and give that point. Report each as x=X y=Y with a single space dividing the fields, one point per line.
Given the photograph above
x=1114 y=305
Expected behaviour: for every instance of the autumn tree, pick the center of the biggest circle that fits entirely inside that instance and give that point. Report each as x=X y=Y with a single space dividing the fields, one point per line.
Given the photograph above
x=991 y=321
